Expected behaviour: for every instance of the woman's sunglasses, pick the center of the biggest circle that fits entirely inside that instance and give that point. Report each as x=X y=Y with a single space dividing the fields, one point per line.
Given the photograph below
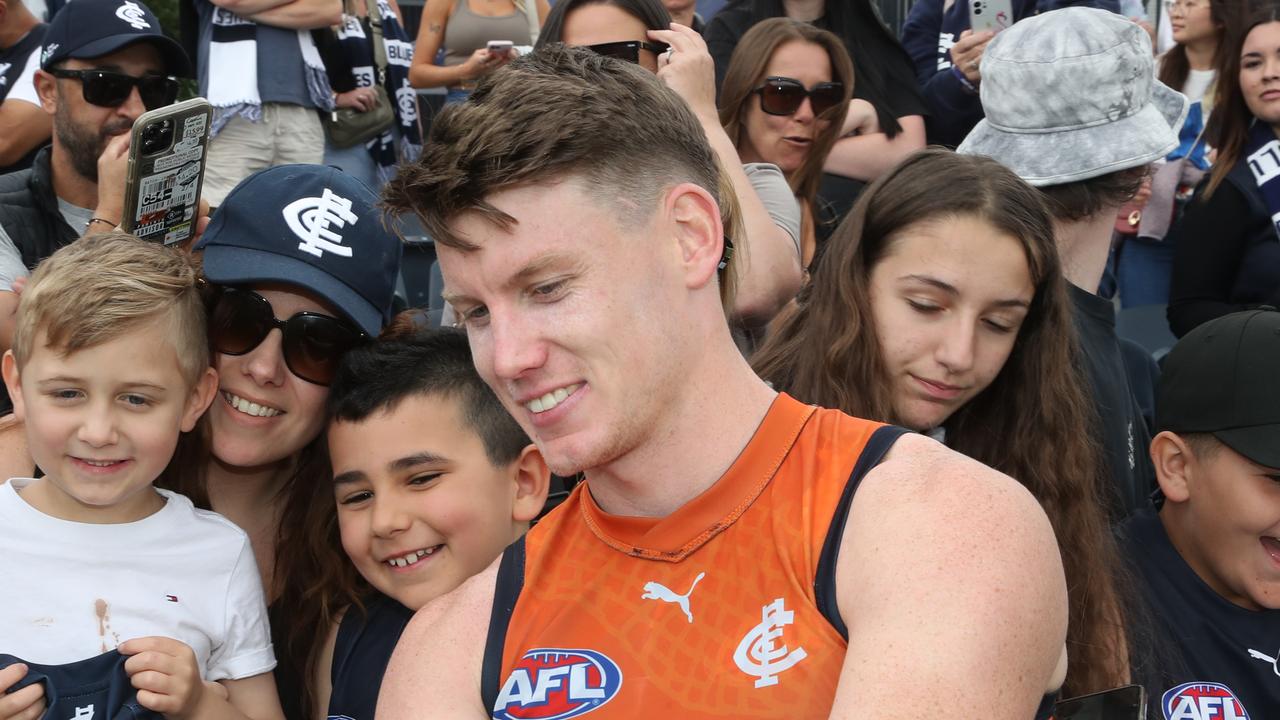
x=626 y=50
x=784 y=96
x=107 y=88
x=312 y=343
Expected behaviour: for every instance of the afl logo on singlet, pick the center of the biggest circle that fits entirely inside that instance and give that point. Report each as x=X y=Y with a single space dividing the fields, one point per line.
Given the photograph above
x=1202 y=701
x=556 y=684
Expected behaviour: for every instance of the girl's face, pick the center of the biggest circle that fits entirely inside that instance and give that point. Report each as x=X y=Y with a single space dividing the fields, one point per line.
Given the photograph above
x=785 y=140
x=1260 y=72
x=948 y=299
x=264 y=413
x=1192 y=21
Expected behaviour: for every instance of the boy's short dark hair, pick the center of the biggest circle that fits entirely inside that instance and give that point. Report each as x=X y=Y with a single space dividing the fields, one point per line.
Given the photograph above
x=1083 y=199
x=377 y=377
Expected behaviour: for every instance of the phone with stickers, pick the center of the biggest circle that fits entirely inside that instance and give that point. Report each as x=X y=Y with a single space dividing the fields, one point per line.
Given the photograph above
x=1123 y=703
x=166 y=171
x=990 y=15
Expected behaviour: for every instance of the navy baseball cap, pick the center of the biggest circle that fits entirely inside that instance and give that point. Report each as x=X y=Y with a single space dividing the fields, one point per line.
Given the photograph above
x=1221 y=379
x=85 y=29
x=309 y=226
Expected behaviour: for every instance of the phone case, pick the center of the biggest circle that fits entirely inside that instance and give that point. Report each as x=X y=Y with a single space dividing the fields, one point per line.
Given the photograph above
x=166 y=171
x=993 y=15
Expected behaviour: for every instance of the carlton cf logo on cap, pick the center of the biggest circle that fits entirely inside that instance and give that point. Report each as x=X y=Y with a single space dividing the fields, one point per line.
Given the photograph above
x=311 y=218
x=131 y=13
x=1202 y=701
x=49 y=49
x=554 y=683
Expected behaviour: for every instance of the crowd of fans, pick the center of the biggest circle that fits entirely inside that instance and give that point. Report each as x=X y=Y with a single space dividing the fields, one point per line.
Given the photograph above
x=784 y=372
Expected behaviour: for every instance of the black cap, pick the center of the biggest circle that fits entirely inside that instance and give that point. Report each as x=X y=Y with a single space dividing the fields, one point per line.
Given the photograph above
x=86 y=29
x=1221 y=379
x=310 y=226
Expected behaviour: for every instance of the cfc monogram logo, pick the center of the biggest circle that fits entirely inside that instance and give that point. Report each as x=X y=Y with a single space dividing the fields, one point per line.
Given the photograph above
x=310 y=218
x=132 y=14
x=759 y=653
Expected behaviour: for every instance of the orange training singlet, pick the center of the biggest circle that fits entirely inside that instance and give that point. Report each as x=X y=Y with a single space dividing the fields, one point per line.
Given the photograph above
x=723 y=609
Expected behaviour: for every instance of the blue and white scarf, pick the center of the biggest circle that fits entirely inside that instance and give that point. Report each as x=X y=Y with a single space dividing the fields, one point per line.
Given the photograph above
x=357 y=45
x=1263 y=155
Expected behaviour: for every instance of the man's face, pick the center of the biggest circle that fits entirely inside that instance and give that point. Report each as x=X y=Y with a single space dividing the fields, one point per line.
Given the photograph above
x=84 y=129
x=573 y=321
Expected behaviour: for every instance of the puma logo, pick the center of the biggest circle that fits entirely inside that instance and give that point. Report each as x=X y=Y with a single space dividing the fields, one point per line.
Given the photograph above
x=658 y=591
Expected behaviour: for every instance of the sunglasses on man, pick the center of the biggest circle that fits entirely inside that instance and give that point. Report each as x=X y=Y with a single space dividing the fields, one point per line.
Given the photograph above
x=784 y=95
x=312 y=344
x=108 y=88
x=626 y=50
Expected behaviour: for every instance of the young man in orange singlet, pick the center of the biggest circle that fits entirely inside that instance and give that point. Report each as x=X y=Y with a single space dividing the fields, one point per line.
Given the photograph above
x=716 y=562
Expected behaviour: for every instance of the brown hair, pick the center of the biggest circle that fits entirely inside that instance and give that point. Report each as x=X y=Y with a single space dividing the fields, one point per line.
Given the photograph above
x=1083 y=199
x=103 y=286
x=746 y=71
x=827 y=353
x=1228 y=128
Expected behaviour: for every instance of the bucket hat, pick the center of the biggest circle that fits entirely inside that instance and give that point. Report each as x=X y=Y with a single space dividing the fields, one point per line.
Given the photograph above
x=1072 y=94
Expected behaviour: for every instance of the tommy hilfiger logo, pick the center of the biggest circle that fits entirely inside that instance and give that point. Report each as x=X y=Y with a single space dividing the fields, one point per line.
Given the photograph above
x=131 y=13
x=310 y=219
x=171 y=598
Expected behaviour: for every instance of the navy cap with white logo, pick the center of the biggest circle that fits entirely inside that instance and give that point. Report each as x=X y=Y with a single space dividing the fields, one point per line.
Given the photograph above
x=309 y=226
x=86 y=29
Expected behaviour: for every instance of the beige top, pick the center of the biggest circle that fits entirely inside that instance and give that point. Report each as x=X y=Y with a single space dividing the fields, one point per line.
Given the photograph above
x=468 y=32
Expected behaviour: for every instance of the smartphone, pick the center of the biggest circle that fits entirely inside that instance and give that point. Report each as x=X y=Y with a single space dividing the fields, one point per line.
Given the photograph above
x=993 y=15
x=166 y=170
x=500 y=47
x=1124 y=703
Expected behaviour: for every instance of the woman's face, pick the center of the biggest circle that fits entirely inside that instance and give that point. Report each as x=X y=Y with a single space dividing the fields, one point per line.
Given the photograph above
x=948 y=299
x=264 y=413
x=1192 y=21
x=785 y=140
x=1260 y=72
x=596 y=23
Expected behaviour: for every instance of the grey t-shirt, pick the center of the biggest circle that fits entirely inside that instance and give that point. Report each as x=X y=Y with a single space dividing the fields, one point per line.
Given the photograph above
x=11 y=265
x=772 y=189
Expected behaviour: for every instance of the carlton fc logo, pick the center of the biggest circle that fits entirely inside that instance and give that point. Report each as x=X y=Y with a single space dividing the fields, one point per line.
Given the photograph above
x=1202 y=701
x=555 y=684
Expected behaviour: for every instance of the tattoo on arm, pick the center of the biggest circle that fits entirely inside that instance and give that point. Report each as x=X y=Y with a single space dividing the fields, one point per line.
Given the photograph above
x=435 y=27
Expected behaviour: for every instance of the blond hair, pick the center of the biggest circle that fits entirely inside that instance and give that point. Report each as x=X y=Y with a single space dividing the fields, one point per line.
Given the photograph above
x=100 y=287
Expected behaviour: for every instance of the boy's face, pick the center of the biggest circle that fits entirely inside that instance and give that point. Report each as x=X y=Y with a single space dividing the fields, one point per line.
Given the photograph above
x=1231 y=522
x=102 y=422
x=420 y=507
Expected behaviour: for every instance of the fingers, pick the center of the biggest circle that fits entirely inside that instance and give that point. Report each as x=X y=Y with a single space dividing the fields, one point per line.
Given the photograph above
x=24 y=704
x=19 y=284
x=15 y=672
x=680 y=37
x=218 y=690
x=165 y=645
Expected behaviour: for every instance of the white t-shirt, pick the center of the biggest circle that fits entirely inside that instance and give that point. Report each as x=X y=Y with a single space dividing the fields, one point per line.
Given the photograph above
x=71 y=591
x=24 y=88
x=1198 y=81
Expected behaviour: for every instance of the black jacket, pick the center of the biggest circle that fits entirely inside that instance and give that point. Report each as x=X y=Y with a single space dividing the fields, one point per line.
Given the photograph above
x=29 y=212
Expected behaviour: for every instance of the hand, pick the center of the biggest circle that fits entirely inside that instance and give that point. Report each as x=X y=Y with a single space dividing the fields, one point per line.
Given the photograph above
x=688 y=69
x=166 y=675
x=482 y=62
x=361 y=99
x=202 y=224
x=862 y=119
x=24 y=704
x=19 y=284
x=113 y=168
x=966 y=54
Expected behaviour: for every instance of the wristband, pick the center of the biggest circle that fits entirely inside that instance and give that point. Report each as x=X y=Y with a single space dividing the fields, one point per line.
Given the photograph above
x=98 y=219
x=973 y=90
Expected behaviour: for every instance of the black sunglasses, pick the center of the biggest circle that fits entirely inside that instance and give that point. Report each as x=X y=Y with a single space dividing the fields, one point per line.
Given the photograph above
x=312 y=344
x=108 y=88
x=784 y=95
x=625 y=50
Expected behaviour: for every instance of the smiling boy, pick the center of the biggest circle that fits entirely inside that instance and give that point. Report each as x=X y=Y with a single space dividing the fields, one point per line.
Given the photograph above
x=432 y=479
x=110 y=364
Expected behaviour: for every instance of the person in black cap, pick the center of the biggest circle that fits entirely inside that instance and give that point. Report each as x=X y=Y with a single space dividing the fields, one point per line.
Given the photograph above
x=1210 y=559
x=104 y=63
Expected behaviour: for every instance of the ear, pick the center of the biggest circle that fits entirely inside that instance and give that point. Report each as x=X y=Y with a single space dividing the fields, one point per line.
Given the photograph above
x=201 y=396
x=695 y=220
x=1175 y=466
x=531 y=479
x=13 y=381
x=47 y=89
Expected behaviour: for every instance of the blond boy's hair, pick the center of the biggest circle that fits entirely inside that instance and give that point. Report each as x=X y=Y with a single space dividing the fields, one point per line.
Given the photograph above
x=100 y=287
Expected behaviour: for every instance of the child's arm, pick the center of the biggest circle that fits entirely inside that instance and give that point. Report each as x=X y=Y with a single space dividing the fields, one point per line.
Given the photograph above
x=322 y=683
x=25 y=704
x=168 y=680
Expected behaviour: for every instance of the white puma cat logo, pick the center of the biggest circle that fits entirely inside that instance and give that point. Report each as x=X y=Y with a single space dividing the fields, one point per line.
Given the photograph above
x=658 y=591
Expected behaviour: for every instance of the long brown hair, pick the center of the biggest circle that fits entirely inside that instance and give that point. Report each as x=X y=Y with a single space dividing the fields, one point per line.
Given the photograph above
x=1228 y=127
x=747 y=70
x=1033 y=422
x=1174 y=65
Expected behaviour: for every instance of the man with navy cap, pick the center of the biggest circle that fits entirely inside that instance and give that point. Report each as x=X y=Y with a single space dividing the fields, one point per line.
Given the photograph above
x=104 y=63
x=1210 y=559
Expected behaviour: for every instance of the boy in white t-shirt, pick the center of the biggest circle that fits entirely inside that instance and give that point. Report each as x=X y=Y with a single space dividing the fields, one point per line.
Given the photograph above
x=109 y=364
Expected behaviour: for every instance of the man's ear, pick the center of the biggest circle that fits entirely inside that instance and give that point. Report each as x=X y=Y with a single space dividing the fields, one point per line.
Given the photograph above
x=1175 y=466
x=695 y=219
x=202 y=394
x=47 y=89
x=531 y=480
x=13 y=381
